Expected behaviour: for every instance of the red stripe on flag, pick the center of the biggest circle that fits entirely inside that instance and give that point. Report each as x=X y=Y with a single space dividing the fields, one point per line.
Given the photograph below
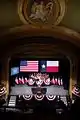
x=52 y=69
x=31 y=66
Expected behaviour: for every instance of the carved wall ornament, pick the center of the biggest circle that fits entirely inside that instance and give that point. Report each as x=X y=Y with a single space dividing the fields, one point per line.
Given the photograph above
x=41 y=12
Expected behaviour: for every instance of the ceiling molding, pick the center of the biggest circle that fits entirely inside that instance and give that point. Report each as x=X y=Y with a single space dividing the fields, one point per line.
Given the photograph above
x=38 y=49
x=58 y=32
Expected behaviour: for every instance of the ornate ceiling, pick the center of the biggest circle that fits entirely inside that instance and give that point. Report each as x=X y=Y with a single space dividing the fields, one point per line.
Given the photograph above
x=9 y=17
x=13 y=17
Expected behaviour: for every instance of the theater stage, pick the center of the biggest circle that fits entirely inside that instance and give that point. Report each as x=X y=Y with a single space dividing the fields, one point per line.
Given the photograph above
x=27 y=90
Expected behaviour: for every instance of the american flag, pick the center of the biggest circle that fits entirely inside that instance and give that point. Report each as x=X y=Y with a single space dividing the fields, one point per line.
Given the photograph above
x=28 y=66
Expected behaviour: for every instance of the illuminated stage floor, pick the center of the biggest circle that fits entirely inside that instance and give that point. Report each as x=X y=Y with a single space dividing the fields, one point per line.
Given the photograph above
x=26 y=90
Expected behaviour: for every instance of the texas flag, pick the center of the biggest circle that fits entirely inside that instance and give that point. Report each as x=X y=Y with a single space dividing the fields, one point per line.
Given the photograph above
x=52 y=66
x=49 y=66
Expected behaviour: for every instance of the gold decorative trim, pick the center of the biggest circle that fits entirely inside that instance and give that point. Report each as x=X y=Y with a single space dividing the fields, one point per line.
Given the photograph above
x=62 y=11
x=20 y=9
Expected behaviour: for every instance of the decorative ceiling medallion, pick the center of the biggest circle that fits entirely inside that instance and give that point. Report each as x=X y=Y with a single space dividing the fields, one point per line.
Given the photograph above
x=41 y=12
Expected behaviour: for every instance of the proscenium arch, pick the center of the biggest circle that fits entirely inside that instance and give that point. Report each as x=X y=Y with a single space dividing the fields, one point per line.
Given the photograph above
x=57 y=50
x=57 y=32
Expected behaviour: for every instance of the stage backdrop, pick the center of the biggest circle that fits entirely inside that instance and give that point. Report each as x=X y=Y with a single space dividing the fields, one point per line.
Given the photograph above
x=54 y=67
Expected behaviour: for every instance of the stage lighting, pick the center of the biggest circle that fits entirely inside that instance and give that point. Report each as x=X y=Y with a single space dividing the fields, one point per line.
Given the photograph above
x=27 y=97
x=39 y=97
x=50 y=97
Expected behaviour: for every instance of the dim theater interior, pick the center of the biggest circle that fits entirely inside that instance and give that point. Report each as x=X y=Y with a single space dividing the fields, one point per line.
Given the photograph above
x=39 y=60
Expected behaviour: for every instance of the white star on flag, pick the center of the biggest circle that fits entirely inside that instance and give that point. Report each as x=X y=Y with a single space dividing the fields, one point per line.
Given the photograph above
x=43 y=66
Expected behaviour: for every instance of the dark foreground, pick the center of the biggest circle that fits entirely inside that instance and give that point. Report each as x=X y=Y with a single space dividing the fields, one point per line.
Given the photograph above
x=44 y=113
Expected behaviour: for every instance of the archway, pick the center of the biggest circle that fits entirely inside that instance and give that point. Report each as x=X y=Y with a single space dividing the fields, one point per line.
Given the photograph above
x=56 y=39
